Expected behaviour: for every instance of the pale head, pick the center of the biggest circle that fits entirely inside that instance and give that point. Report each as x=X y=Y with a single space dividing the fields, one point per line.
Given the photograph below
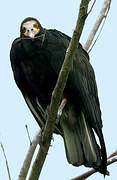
x=30 y=27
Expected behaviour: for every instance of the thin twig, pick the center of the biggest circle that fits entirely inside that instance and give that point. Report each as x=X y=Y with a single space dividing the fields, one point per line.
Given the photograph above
x=91 y=7
x=28 y=134
x=58 y=91
x=2 y=147
x=111 y=159
x=26 y=165
x=97 y=24
x=112 y=155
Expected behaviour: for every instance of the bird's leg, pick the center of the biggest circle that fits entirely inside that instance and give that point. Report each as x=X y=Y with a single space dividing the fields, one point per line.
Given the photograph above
x=60 y=110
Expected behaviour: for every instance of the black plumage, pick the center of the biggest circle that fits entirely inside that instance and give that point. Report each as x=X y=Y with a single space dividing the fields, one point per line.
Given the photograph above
x=36 y=63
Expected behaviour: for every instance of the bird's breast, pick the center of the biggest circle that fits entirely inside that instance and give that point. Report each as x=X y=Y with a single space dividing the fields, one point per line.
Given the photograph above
x=39 y=74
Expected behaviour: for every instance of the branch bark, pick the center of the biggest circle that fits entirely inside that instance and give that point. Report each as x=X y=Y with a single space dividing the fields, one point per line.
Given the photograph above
x=97 y=24
x=26 y=165
x=7 y=166
x=57 y=93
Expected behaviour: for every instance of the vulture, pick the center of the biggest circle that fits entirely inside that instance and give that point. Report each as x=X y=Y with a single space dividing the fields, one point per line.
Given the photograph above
x=36 y=60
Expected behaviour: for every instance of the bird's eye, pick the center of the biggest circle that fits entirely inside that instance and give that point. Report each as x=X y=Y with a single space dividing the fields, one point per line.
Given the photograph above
x=31 y=29
x=24 y=29
x=36 y=26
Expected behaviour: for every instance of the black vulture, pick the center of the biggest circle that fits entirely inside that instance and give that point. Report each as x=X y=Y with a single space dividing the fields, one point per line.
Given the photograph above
x=36 y=59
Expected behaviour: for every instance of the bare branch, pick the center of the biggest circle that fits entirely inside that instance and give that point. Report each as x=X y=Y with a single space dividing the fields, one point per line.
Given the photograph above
x=111 y=159
x=113 y=154
x=26 y=165
x=2 y=147
x=92 y=7
x=58 y=91
x=28 y=134
x=96 y=26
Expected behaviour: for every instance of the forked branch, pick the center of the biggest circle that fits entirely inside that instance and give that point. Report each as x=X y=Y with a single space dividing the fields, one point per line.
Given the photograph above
x=102 y=15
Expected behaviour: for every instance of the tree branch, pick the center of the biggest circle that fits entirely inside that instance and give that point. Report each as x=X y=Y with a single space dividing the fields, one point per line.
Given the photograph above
x=97 y=24
x=92 y=7
x=28 y=134
x=26 y=165
x=2 y=147
x=58 y=91
x=111 y=159
x=113 y=154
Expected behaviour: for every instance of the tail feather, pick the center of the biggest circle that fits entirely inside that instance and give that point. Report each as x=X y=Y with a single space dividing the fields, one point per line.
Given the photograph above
x=103 y=152
x=80 y=143
x=72 y=144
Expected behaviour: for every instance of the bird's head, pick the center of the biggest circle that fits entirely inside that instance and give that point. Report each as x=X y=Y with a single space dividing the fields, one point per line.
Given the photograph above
x=30 y=27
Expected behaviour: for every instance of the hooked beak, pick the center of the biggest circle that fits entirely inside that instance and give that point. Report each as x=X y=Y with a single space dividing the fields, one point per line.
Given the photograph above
x=31 y=35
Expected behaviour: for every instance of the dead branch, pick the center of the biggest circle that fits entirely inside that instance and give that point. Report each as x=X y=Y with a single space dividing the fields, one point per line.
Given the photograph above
x=26 y=165
x=92 y=7
x=97 y=24
x=113 y=154
x=28 y=134
x=2 y=147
